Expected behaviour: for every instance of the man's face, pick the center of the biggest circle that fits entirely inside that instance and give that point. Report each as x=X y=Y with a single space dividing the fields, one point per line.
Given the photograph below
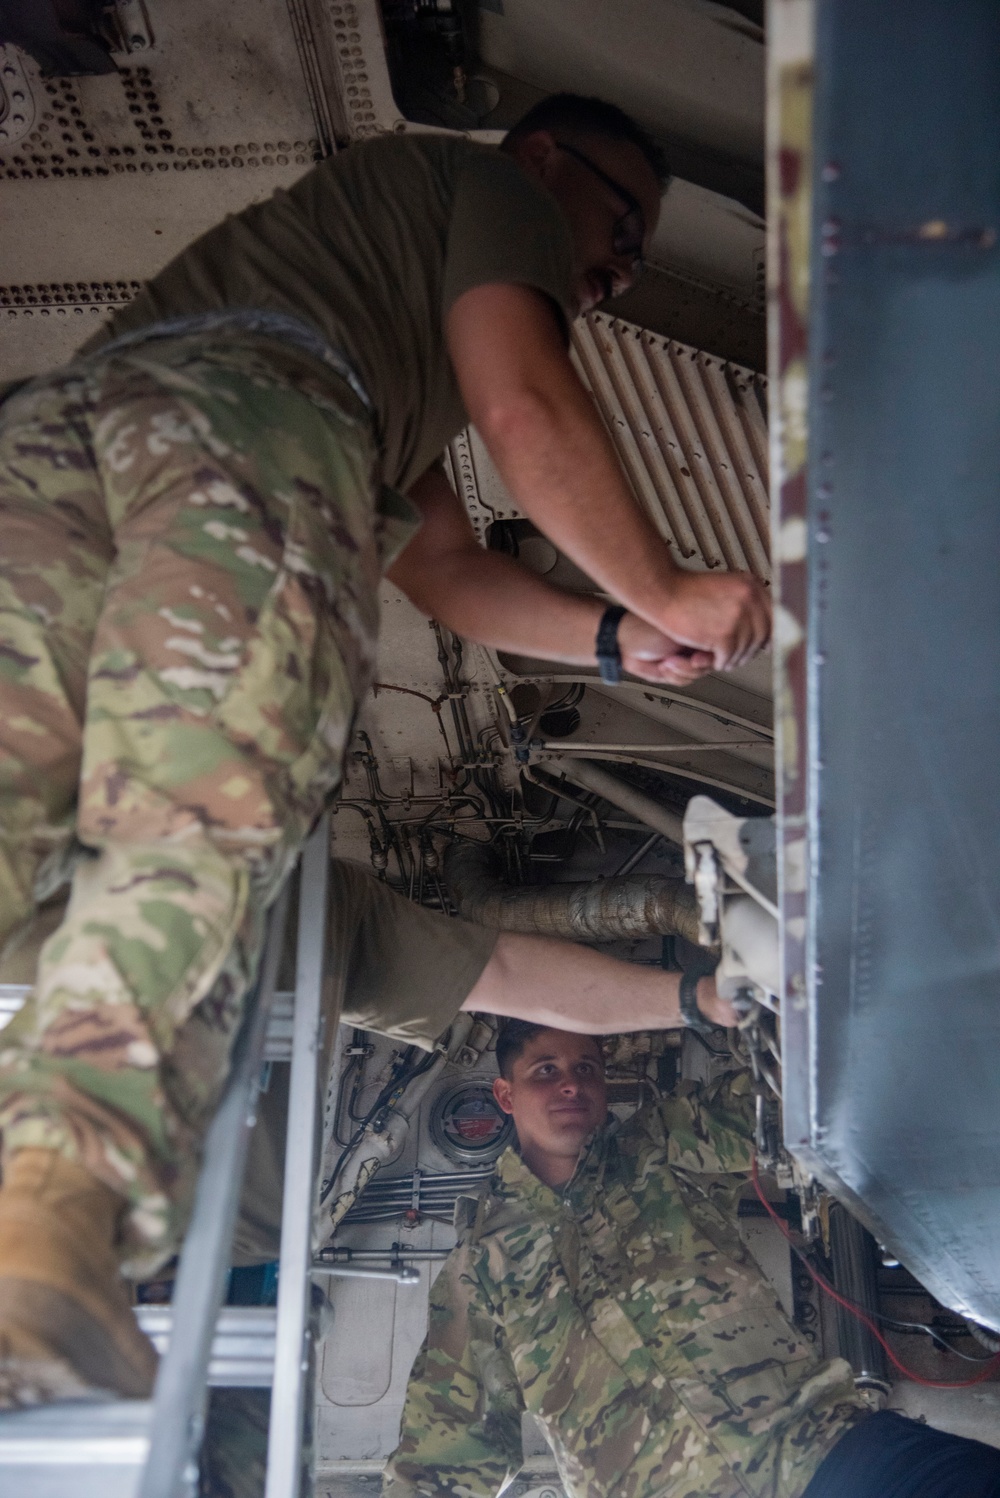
x=557 y=1097
x=597 y=193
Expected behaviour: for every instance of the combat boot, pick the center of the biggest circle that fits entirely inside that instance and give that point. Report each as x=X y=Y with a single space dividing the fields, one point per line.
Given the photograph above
x=67 y=1329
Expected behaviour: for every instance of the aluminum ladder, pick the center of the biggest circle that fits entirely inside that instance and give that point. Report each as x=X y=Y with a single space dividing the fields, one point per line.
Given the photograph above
x=149 y=1449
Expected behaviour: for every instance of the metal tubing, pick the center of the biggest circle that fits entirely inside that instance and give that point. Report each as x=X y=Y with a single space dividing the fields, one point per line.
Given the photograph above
x=385 y=1135
x=179 y=1399
x=634 y=859
x=372 y=1190
x=292 y=1360
x=591 y=777
x=373 y=1255
x=431 y=1178
x=401 y=1274
x=693 y=746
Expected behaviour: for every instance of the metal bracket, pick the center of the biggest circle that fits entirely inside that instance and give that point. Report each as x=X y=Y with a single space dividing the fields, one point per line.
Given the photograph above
x=132 y=22
x=732 y=864
x=704 y=875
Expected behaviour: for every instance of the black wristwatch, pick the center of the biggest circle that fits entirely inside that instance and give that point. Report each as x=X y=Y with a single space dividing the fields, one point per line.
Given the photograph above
x=690 y=1013
x=609 y=656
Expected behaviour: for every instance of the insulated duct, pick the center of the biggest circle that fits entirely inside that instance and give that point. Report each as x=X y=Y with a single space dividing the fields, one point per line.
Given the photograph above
x=605 y=910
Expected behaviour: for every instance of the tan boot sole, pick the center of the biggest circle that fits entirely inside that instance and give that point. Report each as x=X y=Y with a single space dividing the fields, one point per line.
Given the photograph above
x=52 y=1348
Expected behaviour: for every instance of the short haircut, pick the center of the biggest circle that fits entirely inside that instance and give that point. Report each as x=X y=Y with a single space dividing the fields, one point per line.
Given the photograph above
x=587 y=116
x=512 y=1037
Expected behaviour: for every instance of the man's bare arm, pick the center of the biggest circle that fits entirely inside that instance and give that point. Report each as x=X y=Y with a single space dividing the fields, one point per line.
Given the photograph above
x=553 y=453
x=569 y=987
x=493 y=599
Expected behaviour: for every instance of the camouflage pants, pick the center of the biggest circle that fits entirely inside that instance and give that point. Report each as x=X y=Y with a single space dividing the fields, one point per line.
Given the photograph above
x=188 y=615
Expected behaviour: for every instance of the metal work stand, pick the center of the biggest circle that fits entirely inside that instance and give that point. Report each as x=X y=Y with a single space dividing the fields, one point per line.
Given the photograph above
x=149 y=1449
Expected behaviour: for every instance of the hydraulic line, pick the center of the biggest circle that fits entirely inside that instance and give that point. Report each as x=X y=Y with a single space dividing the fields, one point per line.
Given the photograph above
x=592 y=777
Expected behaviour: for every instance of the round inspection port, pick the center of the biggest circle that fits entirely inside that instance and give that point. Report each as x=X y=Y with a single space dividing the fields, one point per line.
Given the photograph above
x=468 y=1125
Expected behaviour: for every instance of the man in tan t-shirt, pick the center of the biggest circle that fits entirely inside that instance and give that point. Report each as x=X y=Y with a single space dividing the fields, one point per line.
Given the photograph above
x=407 y=972
x=196 y=516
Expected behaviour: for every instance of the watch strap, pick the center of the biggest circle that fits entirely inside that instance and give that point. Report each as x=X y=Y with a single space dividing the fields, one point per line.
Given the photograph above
x=609 y=656
x=690 y=1013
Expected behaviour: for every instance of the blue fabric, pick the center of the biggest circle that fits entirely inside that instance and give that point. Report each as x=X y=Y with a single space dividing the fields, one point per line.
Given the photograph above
x=889 y=1456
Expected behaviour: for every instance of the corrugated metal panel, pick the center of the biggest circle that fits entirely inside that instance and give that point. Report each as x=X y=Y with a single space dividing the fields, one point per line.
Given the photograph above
x=691 y=434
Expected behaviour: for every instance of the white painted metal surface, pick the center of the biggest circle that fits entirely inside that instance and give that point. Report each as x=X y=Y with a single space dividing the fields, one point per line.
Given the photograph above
x=649 y=56
x=120 y=172
x=691 y=433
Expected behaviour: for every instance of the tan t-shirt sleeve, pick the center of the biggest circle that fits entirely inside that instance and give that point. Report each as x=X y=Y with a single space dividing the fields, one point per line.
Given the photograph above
x=506 y=228
x=406 y=971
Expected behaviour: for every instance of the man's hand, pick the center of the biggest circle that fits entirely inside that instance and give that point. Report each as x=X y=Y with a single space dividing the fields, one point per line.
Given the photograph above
x=571 y=987
x=656 y=657
x=720 y=1011
x=554 y=455
x=493 y=599
x=727 y=614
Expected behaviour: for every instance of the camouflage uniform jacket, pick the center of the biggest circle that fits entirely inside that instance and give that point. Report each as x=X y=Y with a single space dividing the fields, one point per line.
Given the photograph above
x=624 y=1313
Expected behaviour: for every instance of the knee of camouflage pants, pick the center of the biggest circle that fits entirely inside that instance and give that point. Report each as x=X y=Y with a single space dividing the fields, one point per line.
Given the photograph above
x=236 y=632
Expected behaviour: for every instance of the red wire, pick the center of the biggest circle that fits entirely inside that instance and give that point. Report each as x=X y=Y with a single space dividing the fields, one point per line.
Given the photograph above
x=991 y=1366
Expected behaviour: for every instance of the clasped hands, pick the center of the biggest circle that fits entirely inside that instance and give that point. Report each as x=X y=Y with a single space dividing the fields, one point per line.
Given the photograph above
x=707 y=622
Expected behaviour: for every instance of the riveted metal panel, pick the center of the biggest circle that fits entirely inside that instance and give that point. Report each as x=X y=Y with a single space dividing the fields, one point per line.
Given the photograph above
x=109 y=177
x=691 y=434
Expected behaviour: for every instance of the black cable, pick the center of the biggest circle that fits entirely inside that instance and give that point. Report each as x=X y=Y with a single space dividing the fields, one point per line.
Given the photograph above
x=352 y=1112
x=353 y=1065
x=572 y=697
x=402 y=1075
x=355 y=1138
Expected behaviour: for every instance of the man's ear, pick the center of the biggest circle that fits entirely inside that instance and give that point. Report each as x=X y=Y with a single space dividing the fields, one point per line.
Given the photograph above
x=501 y=1091
x=536 y=152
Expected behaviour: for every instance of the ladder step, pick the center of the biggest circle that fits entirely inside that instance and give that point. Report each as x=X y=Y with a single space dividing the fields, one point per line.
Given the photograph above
x=242 y=1348
x=104 y=1443
x=278 y=1041
x=277 y=1046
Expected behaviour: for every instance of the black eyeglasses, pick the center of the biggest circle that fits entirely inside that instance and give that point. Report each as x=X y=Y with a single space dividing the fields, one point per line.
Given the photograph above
x=629 y=230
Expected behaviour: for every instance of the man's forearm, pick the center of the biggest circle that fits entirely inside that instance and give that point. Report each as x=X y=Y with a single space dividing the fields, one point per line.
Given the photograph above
x=568 y=987
x=488 y=597
x=558 y=462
